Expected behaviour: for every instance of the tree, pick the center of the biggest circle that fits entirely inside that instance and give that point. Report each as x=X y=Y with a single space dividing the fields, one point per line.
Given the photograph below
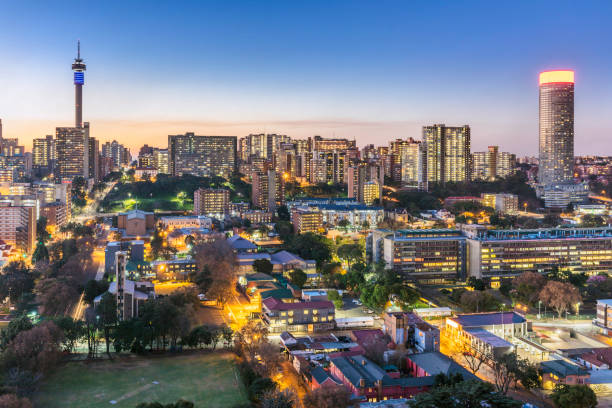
x=40 y=253
x=42 y=234
x=107 y=310
x=219 y=260
x=73 y=331
x=15 y=326
x=592 y=221
x=283 y=213
x=16 y=281
x=13 y=401
x=560 y=296
x=263 y=266
x=36 y=350
x=476 y=283
x=298 y=277
x=278 y=399
x=504 y=370
x=344 y=223
x=527 y=287
x=350 y=253
x=335 y=297
x=178 y=404
x=477 y=301
x=574 y=396
x=93 y=289
x=311 y=246
x=56 y=296
x=463 y=394
x=250 y=337
x=259 y=387
x=332 y=396
x=472 y=358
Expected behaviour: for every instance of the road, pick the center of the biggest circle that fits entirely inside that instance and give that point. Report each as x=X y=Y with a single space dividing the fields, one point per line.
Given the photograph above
x=89 y=211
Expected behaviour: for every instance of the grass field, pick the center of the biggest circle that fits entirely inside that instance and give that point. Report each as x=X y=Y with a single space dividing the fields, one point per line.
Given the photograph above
x=209 y=380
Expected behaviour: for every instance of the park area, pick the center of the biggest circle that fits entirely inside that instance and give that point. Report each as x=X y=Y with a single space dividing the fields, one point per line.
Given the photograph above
x=209 y=380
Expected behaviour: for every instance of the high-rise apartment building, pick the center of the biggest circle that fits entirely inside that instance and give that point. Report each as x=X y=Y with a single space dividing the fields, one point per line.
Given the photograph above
x=211 y=201
x=412 y=161
x=93 y=146
x=492 y=164
x=268 y=190
x=72 y=153
x=448 y=153
x=205 y=156
x=18 y=225
x=43 y=152
x=556 y=127
x=360 y=175
x=118 y=153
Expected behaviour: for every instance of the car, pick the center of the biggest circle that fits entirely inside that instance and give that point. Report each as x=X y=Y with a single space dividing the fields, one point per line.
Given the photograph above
x=202 y=297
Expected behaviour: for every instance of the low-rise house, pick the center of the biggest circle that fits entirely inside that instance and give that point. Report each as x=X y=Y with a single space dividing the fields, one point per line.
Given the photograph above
x=241 y=245
x=321 y=378
x=283 y=262
x=372 y=383
x=408 y=328
x=597 y=359
x=298 y=317
x=562 y=372
x=434 y=363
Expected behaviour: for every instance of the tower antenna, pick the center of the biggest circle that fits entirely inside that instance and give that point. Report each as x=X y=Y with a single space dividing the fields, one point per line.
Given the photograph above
x=78 y=49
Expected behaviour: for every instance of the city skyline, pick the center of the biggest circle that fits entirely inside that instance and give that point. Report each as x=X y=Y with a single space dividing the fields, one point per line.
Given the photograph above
x=348 y=79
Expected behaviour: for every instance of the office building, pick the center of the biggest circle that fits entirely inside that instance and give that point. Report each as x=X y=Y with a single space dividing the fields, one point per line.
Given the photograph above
x=55 y=213
x=205 y=156
x=72 y=153
x=424 y=256
x=213 y=202
x=504 y=203
x=556 y=164
x=494 y=254
x=447 y=153
x=492 y=164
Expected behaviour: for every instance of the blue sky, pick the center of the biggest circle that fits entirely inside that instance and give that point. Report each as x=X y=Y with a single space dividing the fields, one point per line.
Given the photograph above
x=370 y=70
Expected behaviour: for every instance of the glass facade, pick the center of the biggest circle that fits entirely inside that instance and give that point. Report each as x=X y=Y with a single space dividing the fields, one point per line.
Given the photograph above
x=556 y=131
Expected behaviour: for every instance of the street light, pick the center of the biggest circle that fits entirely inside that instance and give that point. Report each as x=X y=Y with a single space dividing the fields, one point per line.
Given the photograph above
x=525 y=206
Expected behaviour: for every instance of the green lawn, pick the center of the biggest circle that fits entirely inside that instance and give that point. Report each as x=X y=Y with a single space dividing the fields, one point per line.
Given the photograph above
x=209 y=380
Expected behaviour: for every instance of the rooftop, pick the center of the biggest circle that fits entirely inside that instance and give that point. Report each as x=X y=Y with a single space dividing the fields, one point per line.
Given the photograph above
x=487 y=319
x=435 y=363
x=562 y=368
x=488 y=337
x=274 y=304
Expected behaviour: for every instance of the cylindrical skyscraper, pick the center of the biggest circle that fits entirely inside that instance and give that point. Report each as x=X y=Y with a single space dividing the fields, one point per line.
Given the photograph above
x=556 y=127
x=79 y=79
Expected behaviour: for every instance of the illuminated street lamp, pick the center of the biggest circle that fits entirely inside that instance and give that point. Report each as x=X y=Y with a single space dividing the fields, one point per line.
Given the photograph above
x=525 y=206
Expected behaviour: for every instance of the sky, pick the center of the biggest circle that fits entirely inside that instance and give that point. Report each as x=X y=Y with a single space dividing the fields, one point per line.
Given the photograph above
x=369 y=70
